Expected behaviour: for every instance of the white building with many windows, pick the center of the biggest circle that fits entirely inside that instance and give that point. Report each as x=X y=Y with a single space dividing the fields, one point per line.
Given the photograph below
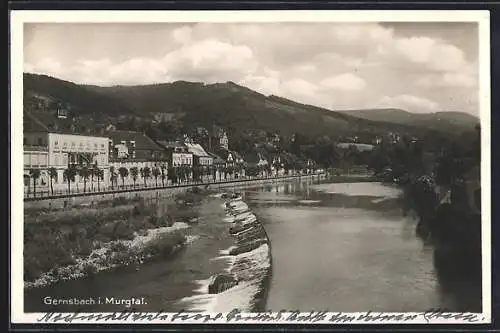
x=46 y=149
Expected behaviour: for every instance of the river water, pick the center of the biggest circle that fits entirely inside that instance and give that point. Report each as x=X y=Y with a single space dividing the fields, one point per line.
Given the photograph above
x=346 y=247
x=337 y=247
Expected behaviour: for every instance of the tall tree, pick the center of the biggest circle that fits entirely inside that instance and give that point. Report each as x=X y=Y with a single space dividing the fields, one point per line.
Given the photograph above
x=123 y=174
x=92 y=172
x=27 y=180
x=35 y=175
x=163 y=174
x=100 y=176
x=70 y=176
x=112 y=176
x=181 y=173
x=172 y=174
x=156 y=173
x=52 y=175
x=146 y=174
x=85 y=174
x=134 y=172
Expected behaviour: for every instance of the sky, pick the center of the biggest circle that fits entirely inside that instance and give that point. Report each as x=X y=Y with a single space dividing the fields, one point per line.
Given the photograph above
x=416 y=66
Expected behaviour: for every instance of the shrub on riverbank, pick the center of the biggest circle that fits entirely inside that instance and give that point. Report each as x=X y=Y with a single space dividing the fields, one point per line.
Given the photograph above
x=43 y=255
x=81 y=216
x=157 y=242
x=60 y=238
x=36 y=210
x=452 y=228
x=163 y=245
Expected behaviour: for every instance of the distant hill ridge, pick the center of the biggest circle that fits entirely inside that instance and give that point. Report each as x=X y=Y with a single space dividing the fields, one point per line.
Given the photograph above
x=231 y=105
x=443 y=120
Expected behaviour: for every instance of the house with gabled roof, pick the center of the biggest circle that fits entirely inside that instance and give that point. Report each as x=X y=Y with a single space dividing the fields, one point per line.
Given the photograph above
x=140 y=155
x=202 y=161
x=235 y=163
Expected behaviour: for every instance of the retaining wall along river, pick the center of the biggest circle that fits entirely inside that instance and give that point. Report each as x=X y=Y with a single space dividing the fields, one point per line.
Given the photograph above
x=68 y=200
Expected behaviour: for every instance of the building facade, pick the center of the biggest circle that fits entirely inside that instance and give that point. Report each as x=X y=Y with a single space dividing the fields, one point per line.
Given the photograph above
x=181 y=161
x=202 y=162
x=136 y=160
x=58 y=151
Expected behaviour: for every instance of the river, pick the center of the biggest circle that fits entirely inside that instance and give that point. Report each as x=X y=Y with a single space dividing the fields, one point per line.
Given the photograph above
x=337 y=247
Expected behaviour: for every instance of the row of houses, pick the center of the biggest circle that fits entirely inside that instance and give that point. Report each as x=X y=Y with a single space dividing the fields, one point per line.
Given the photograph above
x=55 y=157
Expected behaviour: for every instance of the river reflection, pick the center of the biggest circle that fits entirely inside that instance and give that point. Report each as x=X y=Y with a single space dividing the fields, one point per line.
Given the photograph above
x=345 y=247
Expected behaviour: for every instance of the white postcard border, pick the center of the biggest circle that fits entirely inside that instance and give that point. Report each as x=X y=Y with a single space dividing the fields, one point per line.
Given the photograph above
x=19 y=17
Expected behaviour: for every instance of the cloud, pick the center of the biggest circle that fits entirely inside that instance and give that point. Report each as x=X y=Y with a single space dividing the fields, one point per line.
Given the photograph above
x=208 y=60
x=448 y=80
x=182 y=35
x=345 y=82
x=308 y=68
x=409 y=103
x=425 y=52
x=47 y=66
x=268 y=83
x=317 y=63
x=300 y=87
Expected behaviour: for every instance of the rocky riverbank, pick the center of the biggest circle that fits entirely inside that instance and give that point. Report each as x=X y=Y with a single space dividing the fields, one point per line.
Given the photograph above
x=244 y=284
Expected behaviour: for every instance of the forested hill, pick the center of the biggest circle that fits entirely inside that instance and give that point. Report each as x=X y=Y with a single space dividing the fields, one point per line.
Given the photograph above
x=47 y=92
x=197 y=104
x=443 y=121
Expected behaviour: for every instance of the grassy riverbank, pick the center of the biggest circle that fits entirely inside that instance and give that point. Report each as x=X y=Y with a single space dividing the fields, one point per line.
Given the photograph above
x=61 y=244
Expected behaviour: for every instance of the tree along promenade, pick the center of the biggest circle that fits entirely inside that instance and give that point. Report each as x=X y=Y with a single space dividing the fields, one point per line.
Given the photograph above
x=47 y=195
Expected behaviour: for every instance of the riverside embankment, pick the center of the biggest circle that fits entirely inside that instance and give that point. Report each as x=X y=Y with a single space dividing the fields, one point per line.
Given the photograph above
x=182 y=236
x=65 y=244
x=78 y=235
x=225 y=265
x=168 y=189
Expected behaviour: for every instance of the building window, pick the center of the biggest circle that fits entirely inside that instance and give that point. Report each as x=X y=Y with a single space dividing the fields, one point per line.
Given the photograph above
x=56 y=143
